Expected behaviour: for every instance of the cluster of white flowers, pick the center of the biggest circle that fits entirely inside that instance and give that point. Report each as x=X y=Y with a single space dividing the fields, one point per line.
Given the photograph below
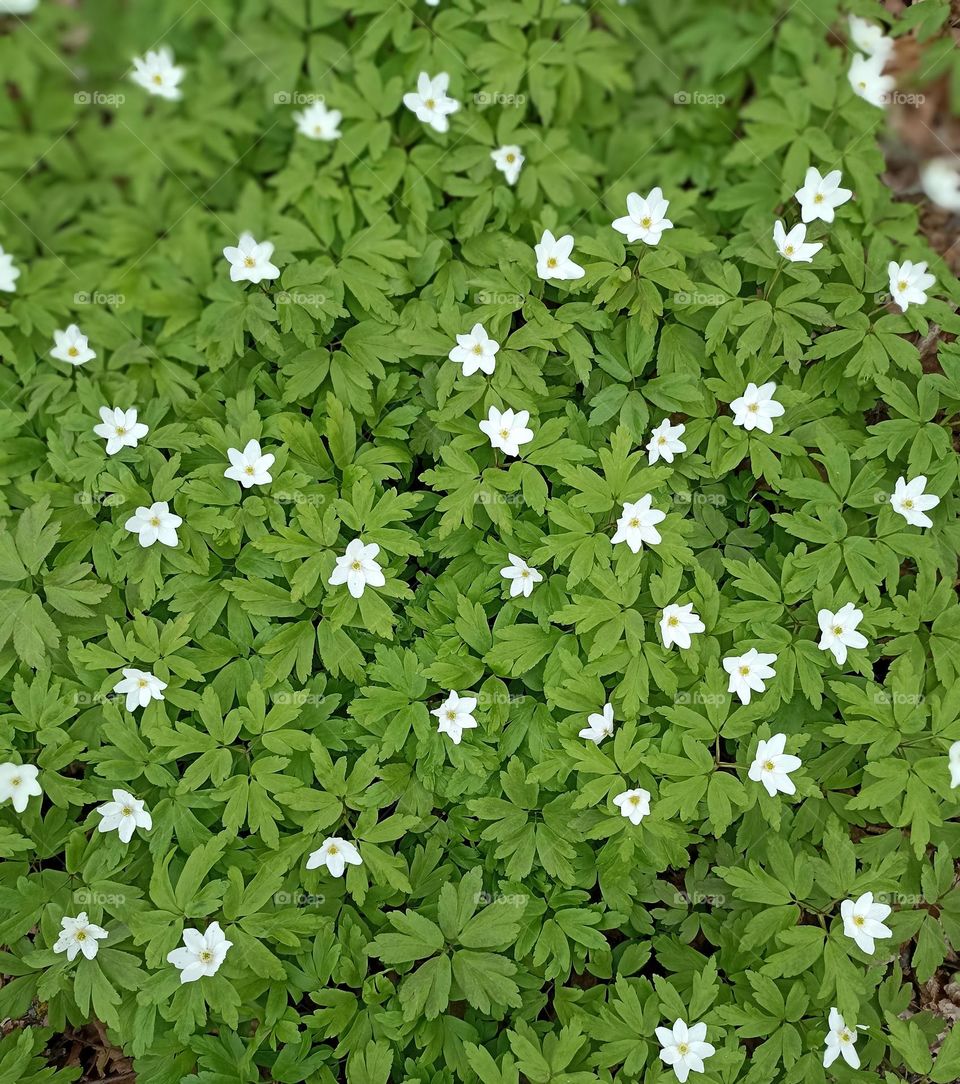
x=683 y=1047
x=866 y=72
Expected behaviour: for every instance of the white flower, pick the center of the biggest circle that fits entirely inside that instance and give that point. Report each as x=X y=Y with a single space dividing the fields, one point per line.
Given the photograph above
x=553 y=258
x=17 y=7
x=867 y=79
x=508 y=159
x=250 y=261
x=645 y=220
x=456 y=715
x=749 y=672
x=909 y=283
x=633 y=804
x=954 y=762
x=202 y=954
x=601 y=725
x=772 y=766
x=792 y=246
x=357 y=568
x=863 y=920
x=8 y=273
x=839 y=631
x=684 y=1048
x=18 y=782
x=318 y=122
x=507 y=431
x=678 y=624
x=249 y=467
x=335 y=854
x=79 y=935
x=71 y=345
x=522 y=577
x=155 y=524
x=120 y=428
x=910 y=501
x=475 y=351
x=124 y=815
x=637 y=524
x=430 y=101
x=757 y=408
x=941 y=182
x=157 y=73
x=140 y=687
x=869 y=38
x=665 y=442
x=839 y=1040
x=821 y=196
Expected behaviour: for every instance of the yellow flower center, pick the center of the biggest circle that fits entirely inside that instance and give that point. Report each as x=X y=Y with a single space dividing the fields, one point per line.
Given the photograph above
x=552 y=262
x=248 y=470
x=158 y=79
x=789 y=250
x=333 y=849
x=902 y=285
x=768 y=765
x=858 y=920
x=683 y=1048
x=431 y=104
x=753 y=408
x=16 y=781
x=451 y=715
x=154 y=521
x=504 y=433
x=511 y=158
x=744 y=670
x=634 y=799
x=908 y=503
x=356 y=566
x=249 y=261
x=206 y=956
x=80 y=935
x=634 y=522
x=73 y=351
x=126 y=811
x=673 y=622
x=477 y=349
x=645 y=222
x=818 y=198
x=837 y=630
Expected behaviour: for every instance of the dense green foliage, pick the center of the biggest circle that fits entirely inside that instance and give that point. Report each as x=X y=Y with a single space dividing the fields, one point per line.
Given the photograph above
x=506 y=920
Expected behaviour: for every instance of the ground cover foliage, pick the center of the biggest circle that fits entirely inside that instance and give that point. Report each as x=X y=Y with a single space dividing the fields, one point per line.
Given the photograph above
x=506 y=922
